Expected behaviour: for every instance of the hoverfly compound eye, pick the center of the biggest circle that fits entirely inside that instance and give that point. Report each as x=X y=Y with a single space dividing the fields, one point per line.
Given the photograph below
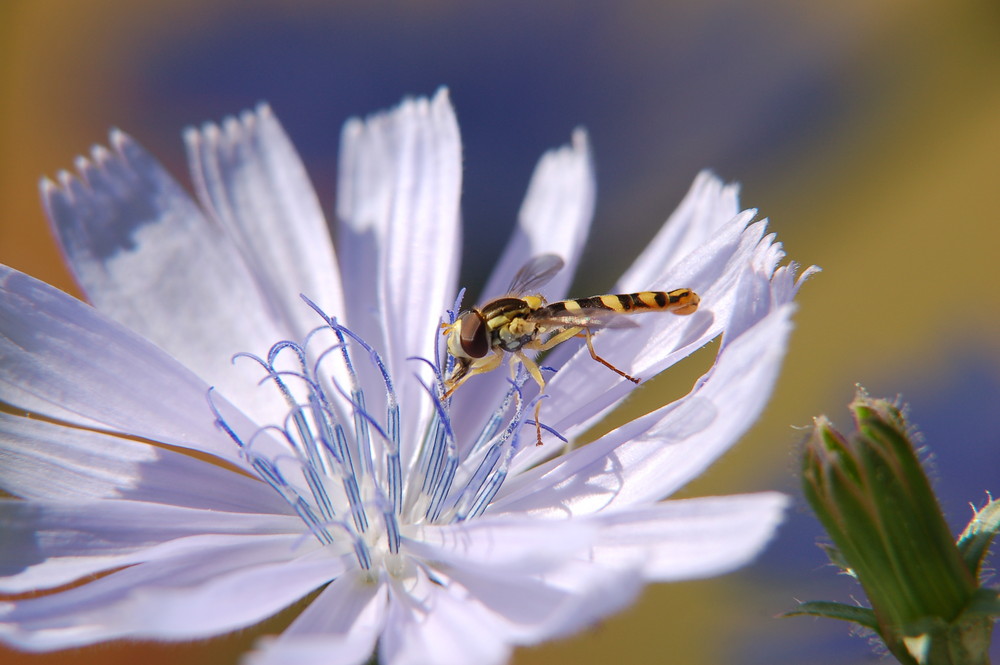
x=474 y=336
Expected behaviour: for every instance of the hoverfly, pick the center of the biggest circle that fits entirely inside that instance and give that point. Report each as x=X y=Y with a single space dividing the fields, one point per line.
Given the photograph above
x=522 y=321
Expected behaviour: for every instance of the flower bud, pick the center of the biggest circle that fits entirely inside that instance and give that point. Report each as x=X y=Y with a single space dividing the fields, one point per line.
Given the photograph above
x=870 y=492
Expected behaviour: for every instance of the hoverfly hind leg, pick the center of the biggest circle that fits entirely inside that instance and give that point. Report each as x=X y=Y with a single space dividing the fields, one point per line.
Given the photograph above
x=593 y=354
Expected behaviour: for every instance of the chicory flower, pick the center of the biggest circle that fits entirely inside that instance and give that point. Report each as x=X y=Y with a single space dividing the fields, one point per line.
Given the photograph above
x=200 y=447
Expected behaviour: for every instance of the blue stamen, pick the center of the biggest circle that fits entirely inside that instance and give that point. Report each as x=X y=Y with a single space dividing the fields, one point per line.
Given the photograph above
x=318 y=491
x=324 y=435
x=305 y=512
x=457 y=307
x=496 y=420
x=394 y=477
x=392 y=530
x=466 y=497
x=330 y=435
x=354 y=500
x=486 y=482
x=220 y=421
x=443 y=447
x=548 y=429
x=441 y=353
x=442 y=487
x=429 y=448
x=495 y=481
x=438 y=376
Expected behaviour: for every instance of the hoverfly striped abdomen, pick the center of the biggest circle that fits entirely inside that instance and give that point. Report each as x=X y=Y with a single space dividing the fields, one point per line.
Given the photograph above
x=678 y=301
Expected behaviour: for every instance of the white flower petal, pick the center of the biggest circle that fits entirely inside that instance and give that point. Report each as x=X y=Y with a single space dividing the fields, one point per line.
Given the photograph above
x=148 y=258
x=431 y=625
x=43 y=461
x=669 y=541
x=691 y=538
x=708 y=205
x=516 y=545
x=528 y=609
x=364 y=200
x=340 y=627
x=198 y=594
x=420 y=264
x=653 y=456
x=251 y=179
x=401 y=180
x=554 y=219
x=64 y=360
x=50 y=544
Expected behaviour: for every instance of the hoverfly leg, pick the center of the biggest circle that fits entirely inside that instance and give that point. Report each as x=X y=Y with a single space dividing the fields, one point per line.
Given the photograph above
x=531 y=366
x=557 y=339
x=538 y=424
x=536 y=374
x=593 y=354
x=478 y=366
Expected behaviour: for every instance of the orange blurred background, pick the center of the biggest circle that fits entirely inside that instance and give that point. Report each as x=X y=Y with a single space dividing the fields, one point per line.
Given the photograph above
x=869 y=133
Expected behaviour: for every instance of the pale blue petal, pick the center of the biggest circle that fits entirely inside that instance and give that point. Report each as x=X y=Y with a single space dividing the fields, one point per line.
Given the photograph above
x=251 y=180
x=340 y=627
x=583 y=391
x=196 y=594
x=400 y=186
x=691 y=538
x=64 y=360
x=515 y=545
x=147 y=258
x=50 y=544
x=40 y=460
x=528 y=609
x=672 y=541
x=429 y=623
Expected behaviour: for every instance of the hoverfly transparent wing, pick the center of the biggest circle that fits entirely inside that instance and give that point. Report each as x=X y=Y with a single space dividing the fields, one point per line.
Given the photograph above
x=535 y=274
x=594 y=319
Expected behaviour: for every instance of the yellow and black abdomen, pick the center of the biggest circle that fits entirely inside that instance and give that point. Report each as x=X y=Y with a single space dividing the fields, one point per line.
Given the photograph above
x=678 y=301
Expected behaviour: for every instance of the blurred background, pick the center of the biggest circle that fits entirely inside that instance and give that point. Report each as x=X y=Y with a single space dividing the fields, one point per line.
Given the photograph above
x=868 y=132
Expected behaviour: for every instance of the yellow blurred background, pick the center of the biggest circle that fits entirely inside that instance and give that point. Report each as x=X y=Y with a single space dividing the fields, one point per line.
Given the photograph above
x=869 y=133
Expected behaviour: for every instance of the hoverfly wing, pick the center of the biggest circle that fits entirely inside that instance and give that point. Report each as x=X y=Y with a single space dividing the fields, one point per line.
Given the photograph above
x=535 y=274
x=595 y=319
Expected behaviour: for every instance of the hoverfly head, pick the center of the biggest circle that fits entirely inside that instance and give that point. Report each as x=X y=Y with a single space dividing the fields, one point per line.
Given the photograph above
x=470 y=336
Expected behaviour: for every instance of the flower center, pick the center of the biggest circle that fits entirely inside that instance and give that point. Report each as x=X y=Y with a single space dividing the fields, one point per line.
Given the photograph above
x=336 y=459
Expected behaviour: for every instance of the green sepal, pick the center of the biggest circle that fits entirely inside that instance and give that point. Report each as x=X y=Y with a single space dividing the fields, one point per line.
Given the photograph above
x=965 y=641
x=828 y=609
x=974 y=543
x=985 y=603
x=837 y=559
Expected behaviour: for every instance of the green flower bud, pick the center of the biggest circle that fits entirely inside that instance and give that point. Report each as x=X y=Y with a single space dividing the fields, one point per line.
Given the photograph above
x=870 y=492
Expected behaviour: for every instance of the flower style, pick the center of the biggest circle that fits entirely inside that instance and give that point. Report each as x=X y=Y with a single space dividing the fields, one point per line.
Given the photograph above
x=203 y=447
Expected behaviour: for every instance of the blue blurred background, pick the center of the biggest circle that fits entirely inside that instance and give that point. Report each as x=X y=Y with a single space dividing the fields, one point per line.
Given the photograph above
x=869 y=134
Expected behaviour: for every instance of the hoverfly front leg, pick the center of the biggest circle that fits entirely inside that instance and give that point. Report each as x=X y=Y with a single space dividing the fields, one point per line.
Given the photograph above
x=466 y=369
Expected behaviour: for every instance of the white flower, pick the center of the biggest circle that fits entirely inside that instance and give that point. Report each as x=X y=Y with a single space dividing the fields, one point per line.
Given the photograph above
x=161 y=508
